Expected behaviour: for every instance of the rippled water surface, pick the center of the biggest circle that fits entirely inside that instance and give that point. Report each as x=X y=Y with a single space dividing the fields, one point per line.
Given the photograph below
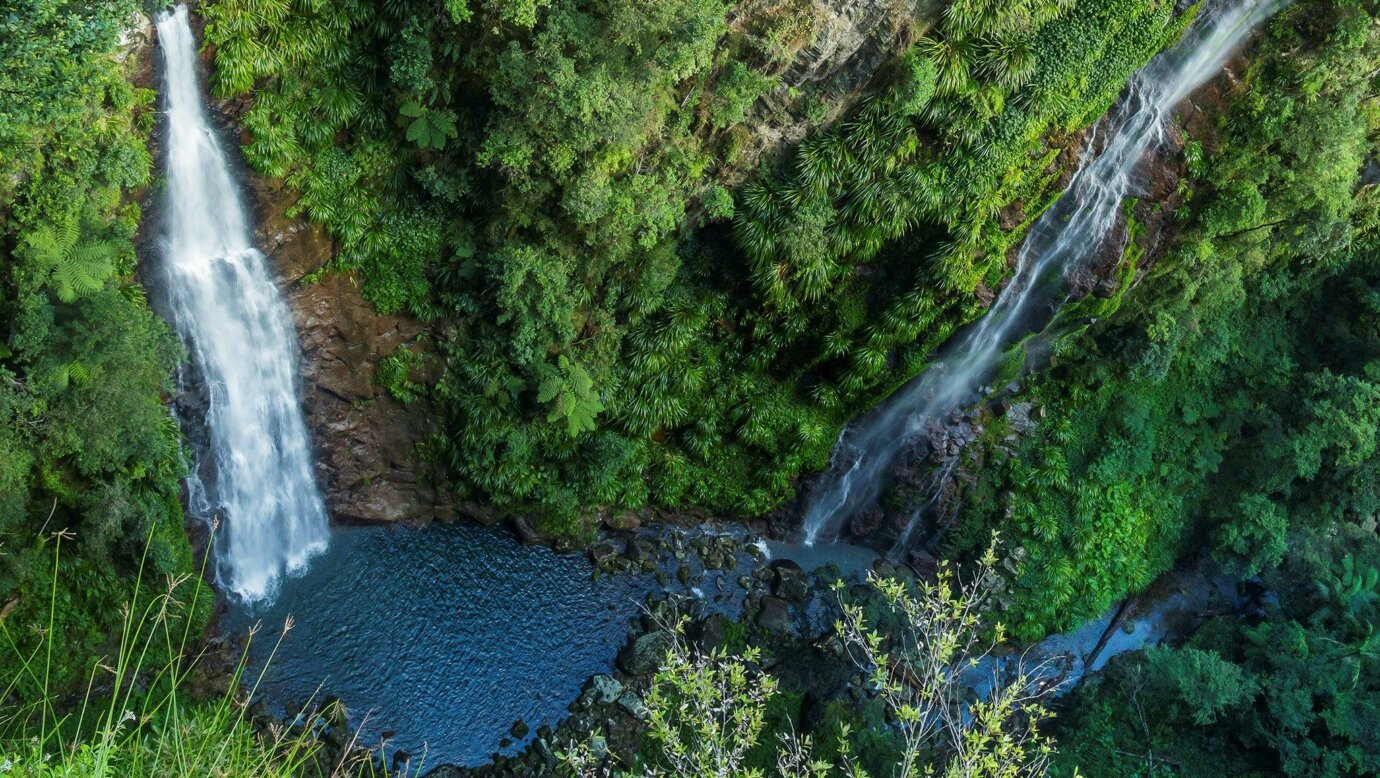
x=446 y=634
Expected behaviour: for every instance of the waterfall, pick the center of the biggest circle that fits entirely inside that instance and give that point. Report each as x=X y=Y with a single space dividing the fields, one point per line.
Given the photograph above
x=255 y=481
x=1065 y=236
x=934 y=488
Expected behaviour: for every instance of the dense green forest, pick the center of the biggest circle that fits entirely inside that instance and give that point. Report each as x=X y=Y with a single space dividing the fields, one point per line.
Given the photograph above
x=88 y=449
x=618 y=330
x=623 y=313
x=1234 y=400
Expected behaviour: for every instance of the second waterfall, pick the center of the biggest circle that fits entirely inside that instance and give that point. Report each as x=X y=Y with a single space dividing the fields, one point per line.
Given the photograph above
x=1069 y=233
x=255 y=480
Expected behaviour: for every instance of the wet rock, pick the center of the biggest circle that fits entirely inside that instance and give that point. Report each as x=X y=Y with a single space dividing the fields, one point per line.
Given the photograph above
x=753 y=546
x=601 y=690
x=364 y=438
x=1018 y=416
x=710 y=633
x=774 y=615
x=598 y=746
x=645 y=653
x=866 y=522
x=604 y=555
x=684 y=575
x=918 y=563
x=527 y=534
x=633 y=705
x=790 y=583
x=641 y=549
x=626 y=521
x=543 y=751
x=519 y=729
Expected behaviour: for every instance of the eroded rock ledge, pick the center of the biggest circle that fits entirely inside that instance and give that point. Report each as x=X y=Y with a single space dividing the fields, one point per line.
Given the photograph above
x=366 y=441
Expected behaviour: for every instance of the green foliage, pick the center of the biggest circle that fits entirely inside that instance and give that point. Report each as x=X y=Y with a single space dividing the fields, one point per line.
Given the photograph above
x=88 y=447
x=1296 y=694
x=570 y=391
x=1232 y=398
x=71 y=267
x=710 y=713
x=551 y=217
x=706 y=711
x=394 y=374
x=428 y=128
x=737 y=89
x=939 y=626
x=136 y=715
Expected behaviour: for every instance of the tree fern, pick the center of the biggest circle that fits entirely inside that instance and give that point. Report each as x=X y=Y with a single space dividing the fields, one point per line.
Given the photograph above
x=571 y=391
x=71 y=267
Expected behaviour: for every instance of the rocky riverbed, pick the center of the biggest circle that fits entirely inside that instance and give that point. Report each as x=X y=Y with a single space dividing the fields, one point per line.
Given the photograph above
x=454 y=645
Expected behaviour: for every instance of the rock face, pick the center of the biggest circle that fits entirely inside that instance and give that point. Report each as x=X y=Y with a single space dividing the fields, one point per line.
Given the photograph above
x=365 y=441
x=853 y=40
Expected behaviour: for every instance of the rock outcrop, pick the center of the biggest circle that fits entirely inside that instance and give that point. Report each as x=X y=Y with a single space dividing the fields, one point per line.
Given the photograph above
x=853 y=39
x=366 y=442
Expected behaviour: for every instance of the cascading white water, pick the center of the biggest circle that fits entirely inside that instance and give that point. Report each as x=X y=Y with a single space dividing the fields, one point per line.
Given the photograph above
x=935 y=489
x=1066 y=235
x=224 y=303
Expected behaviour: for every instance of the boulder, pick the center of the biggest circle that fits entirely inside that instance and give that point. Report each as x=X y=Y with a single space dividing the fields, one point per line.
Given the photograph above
x=866 y=522
x=601 y=690
x=710 y=633
x=543 y=751
x=626 y=521
x=774 y=615
x=633 y=705
x=790 y=582
x=1018 y=416
x=598 y=746
x=645 y=653
x=641 y=549
x=604 y=555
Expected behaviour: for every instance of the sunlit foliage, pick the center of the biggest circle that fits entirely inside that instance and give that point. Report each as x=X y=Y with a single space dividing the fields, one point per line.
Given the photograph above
x=532 y=175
